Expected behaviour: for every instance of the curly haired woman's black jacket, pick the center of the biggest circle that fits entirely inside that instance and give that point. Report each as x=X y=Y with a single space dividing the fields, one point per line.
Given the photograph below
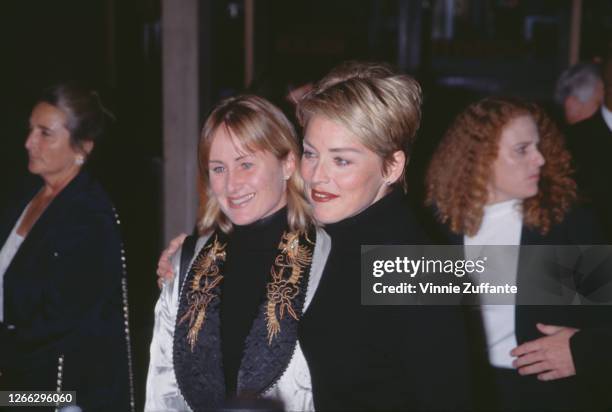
x=63 y=300
x=588 y=390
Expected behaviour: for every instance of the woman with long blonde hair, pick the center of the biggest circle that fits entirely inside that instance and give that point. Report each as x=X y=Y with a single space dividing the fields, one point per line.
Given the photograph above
x=227 y=331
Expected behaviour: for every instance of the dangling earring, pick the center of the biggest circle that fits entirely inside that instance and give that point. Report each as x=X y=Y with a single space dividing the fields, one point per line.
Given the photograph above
x=79 y=160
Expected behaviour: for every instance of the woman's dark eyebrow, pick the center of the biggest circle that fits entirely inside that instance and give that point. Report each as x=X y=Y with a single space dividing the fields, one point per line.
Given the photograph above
x=242 y=157
x=335 y=149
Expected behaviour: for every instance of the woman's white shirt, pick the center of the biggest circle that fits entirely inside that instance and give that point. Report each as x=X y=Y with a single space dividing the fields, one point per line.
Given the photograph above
x=502 y=224
x=7 y=253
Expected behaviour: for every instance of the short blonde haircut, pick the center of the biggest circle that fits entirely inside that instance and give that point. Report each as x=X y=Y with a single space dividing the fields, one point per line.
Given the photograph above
x=255 y=124
x=378 y=105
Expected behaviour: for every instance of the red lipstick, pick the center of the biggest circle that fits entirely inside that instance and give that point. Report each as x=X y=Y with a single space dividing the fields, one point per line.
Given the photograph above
x=319 y=196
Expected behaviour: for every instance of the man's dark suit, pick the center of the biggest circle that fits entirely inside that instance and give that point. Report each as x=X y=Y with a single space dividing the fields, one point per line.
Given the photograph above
x=590 y=143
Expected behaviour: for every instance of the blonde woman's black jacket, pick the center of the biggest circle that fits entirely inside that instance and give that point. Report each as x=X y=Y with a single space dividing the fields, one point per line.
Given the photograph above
x=63 y=300
x=412 y=358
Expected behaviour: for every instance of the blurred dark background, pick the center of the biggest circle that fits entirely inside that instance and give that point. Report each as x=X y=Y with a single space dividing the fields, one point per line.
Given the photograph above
x=458 y=49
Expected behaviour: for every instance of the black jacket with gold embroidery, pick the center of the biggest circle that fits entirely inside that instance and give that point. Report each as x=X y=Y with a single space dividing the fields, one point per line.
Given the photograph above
x=186 y=366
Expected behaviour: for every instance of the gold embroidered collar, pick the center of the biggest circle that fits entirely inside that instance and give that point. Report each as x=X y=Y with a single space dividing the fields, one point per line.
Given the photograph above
x=283 y=287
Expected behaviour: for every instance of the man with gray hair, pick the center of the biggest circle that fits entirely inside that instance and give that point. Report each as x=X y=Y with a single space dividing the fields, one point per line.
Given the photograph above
x=580 y=91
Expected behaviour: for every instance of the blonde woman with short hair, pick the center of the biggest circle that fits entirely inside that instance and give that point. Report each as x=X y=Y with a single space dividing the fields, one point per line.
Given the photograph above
x=360 y=122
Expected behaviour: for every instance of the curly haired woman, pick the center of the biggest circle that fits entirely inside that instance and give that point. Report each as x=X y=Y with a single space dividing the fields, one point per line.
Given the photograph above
x=502 y=176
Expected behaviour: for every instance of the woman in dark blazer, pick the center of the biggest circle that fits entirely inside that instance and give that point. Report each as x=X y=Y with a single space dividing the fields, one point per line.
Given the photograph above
x=501 y=176
x=62 y=325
